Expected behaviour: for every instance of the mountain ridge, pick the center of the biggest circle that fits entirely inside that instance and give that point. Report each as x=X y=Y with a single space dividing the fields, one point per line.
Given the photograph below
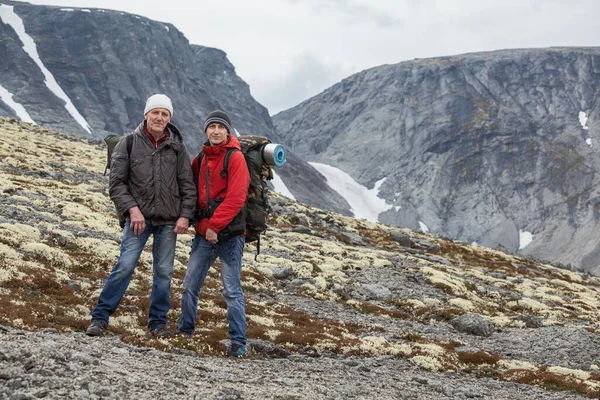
x=479 y=147
x=108 y=63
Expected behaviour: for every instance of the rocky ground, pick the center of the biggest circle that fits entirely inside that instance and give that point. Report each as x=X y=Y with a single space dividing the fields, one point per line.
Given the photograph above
x=48 y=364
x=337 y=307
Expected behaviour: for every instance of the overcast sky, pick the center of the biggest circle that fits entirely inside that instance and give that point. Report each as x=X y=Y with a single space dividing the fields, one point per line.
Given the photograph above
x=291 y=50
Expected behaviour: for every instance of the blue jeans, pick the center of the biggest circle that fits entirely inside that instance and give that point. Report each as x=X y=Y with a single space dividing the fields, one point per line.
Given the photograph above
x=163 y=256
x=203 y=255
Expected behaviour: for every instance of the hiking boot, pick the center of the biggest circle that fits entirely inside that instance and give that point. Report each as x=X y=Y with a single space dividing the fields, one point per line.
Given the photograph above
x=96 y=328
x=236 y=350
x=161 y=333
x=182 y=333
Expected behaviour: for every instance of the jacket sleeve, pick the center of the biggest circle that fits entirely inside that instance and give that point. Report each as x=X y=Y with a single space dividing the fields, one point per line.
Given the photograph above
x=187 y=189
x=238 y=179
x=119 y=177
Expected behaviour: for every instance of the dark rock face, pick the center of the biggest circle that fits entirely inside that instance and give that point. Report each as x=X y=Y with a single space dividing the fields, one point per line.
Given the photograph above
x=109 y=62
x=477 y=147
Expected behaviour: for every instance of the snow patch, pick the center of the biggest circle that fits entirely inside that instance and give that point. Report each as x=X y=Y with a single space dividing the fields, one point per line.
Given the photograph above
x=524 y=239
x=167 y=28
x=67 y=9
x=7 y=98
x=397 y=208
x=423 y=227
x=280 y=187
x=9 y=17
x=589 y=141
x=86 y=10
x=583 y=119
x=364 y=203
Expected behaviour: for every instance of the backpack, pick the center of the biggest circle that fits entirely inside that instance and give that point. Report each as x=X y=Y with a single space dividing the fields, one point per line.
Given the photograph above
x=257 y=208
x=111 y=142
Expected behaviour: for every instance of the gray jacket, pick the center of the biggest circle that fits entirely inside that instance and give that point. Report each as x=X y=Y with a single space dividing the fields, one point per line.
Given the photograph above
x=158 y=181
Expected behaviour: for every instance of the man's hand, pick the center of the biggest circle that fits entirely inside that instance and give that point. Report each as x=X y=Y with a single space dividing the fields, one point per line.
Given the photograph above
x=211 y=236
x=138 y=222
x=182 y=225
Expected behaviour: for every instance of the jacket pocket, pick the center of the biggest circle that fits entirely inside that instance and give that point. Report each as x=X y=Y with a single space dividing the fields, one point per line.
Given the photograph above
x=236 y=227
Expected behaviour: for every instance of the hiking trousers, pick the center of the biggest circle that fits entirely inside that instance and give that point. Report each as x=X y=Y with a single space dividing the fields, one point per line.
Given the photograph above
x=163 y=257
x=203 y=255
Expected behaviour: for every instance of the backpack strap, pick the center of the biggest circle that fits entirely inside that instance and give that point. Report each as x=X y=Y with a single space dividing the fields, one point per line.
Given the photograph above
x=200 y=156
x=224 y=173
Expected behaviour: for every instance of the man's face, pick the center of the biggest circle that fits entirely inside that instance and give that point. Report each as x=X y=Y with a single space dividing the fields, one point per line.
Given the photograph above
x=217 y=133
x=157 y=120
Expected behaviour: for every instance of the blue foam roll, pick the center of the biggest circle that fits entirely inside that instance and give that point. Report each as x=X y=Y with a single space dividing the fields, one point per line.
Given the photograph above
x=274 y=154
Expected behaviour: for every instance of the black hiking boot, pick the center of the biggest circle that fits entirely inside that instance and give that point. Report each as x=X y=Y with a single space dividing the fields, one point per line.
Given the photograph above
x=96 y=328
x=161 y=333
x=236 y=350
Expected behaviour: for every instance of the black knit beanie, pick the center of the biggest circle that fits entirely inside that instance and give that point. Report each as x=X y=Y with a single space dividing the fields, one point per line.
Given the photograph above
x=218 y=117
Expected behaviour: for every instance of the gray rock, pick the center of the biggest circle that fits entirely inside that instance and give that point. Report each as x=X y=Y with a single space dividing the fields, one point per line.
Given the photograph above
x=402 y=239
x=73 y=284
x=351 y=363
x=473 y=324
x=83 y=358
x=301 y=229
x=531 y=321
x=372 y=291
x=429 y=245
x=119 y=350
x=353 y=238
x=282 y=272
x=268 y=349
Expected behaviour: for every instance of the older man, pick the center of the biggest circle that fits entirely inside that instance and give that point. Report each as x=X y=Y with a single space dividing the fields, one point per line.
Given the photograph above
x=151 y=185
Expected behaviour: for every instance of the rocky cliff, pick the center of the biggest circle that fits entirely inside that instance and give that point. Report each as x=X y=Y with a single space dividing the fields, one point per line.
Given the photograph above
x=337 y=308
x=88 y=72
x=485 y=147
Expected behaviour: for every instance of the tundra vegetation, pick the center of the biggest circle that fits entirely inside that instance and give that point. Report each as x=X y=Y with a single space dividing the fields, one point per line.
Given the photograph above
x=323 y=283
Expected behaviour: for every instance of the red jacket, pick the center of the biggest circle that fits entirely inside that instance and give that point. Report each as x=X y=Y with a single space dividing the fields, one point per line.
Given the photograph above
x=232 y=188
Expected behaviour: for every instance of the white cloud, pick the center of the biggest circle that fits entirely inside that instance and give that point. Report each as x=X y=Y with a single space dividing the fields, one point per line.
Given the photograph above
x=303 y=78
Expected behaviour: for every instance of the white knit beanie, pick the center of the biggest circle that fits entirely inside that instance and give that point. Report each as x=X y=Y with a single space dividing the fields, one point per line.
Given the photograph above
x=158 y=101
